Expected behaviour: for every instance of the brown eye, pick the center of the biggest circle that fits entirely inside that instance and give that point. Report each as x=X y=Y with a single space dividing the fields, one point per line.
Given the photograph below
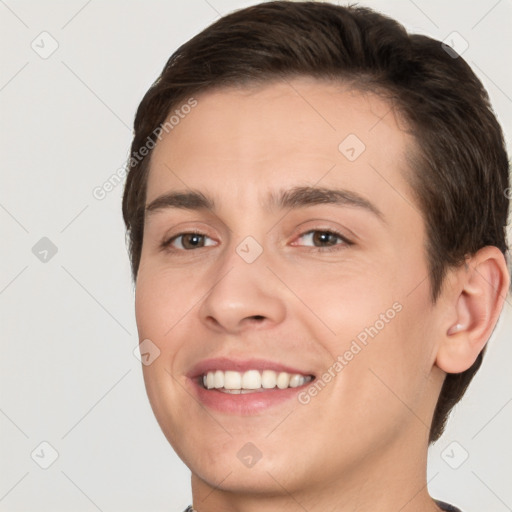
x=188 y=241
x=192 y=240
x=323 y=239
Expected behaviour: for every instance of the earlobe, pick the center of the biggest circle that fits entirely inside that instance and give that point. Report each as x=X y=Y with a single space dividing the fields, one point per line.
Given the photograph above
x=482 y=286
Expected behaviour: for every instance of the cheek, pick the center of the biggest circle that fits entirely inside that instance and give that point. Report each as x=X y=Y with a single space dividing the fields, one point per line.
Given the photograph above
x=162 y=300
x=379 y=331
x=158 y=307
x=148 y=309
x=382 y=385
x=391 y=373
x=346 y=297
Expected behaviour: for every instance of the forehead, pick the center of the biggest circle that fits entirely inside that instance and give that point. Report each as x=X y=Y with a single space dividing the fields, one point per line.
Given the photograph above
x=243 y=142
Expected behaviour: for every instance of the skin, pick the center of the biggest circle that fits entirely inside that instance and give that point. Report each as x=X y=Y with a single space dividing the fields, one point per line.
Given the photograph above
x=361 y=443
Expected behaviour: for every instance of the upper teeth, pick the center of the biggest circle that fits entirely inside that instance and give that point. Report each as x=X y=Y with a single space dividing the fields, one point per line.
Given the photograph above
x=252 y=379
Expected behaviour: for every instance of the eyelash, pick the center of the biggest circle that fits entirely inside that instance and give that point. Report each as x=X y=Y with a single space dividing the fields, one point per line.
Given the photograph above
x=166 y=244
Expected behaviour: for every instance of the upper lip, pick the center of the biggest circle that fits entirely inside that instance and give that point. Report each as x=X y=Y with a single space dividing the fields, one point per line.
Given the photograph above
x=241 y=365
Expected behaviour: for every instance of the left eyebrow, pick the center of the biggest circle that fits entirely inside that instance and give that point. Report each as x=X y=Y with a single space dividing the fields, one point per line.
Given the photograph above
x=299 y=197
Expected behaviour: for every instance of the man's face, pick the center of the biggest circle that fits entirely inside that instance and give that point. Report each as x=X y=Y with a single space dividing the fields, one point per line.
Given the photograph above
x=300 y=287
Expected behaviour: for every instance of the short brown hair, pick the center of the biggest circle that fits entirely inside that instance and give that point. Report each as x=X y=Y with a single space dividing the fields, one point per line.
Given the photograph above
x=459 y=167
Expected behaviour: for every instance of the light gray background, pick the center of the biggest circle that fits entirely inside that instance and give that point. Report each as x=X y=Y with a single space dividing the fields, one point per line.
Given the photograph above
x=68 y=373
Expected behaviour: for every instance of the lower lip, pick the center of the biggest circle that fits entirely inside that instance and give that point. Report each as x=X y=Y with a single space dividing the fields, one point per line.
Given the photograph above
x=247 y=403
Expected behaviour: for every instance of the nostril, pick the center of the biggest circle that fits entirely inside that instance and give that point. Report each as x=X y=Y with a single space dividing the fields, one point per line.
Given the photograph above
x=258 y=317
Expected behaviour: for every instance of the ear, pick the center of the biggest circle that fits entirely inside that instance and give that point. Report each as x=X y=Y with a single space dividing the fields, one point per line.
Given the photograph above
x=476 y=299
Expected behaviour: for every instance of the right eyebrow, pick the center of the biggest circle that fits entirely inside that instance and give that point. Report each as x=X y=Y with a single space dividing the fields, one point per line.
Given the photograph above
x=192 y=200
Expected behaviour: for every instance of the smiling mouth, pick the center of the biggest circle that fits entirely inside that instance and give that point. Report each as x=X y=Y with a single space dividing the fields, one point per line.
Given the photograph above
x=251 y=381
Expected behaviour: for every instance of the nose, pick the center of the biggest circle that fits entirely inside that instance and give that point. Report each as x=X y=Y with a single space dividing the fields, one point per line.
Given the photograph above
x=245 y=296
